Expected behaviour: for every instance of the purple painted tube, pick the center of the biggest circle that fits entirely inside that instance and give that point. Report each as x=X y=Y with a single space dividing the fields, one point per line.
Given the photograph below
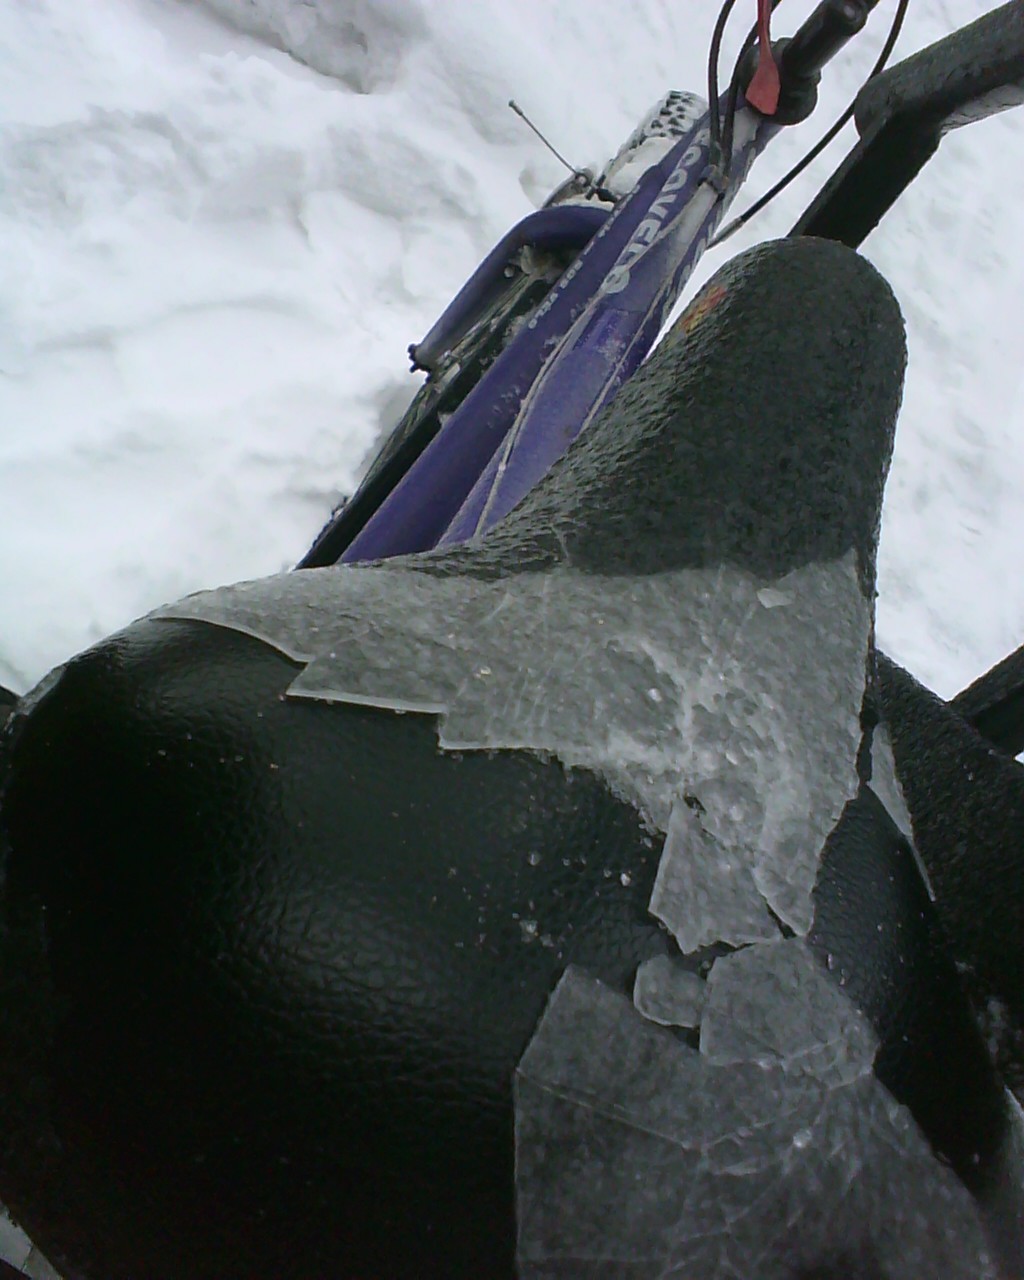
x=610 y=338
x=569 y=226
x=423 y=504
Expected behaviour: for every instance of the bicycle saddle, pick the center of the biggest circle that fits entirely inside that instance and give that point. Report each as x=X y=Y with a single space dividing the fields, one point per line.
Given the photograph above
x=543 y=899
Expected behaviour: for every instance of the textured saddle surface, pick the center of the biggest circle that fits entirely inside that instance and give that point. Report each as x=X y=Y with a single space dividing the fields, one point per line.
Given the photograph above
x=273 y=946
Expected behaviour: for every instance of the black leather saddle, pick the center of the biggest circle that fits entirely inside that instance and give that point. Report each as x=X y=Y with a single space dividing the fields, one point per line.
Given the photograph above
x=290 y=873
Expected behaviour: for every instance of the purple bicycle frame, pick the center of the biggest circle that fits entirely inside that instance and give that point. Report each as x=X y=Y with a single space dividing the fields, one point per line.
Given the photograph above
x=589 y=335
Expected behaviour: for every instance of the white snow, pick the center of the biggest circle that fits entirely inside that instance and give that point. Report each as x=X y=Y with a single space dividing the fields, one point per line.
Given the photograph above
x=218 y=241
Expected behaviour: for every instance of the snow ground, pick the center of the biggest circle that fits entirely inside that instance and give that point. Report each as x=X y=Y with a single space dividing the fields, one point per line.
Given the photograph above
x=219 y=239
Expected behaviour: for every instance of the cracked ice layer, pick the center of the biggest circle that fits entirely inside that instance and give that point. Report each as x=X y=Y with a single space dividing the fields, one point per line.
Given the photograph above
x=666 y=993
x=682 y=683
x=639 y=1158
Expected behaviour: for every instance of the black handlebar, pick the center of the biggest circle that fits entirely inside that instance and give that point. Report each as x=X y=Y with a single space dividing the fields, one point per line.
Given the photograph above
x=829 y=27
x=903 y=114
x=802 y=57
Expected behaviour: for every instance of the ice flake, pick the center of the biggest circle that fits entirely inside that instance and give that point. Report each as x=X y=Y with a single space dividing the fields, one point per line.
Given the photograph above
x=638 y=1157
x=775 y=1005
x=772 y=599
x=666 y=993
x=703 y=892
x=886 y=784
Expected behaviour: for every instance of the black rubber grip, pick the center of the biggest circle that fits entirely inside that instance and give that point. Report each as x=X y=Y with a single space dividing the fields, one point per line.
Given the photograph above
x=971 y=74
x=829 y=27
x=994 y=704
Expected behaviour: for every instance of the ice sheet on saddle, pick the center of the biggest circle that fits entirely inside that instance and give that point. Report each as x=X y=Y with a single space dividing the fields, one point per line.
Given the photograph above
x=726 y=708
x=771 y=1152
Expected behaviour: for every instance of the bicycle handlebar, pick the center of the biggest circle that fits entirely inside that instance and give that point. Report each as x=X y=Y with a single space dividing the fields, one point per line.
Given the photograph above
x=802 y=57
x=829 y=27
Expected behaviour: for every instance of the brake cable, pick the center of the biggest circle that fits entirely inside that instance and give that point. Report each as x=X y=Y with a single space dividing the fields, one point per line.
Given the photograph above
x=823 y=141
x=719 y=152
x=714 y=56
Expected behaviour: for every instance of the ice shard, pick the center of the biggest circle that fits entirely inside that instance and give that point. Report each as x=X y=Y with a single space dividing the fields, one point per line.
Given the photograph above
x=640 y=1158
